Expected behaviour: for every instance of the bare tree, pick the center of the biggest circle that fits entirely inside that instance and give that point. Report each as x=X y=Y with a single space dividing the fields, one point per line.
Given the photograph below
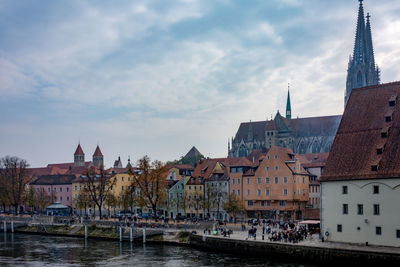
x=98 y=186
x=14 y=178
x=151 y=183
x=42 y=199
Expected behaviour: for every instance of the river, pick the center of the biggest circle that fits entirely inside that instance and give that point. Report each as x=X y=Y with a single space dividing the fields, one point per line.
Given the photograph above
x=34 y=250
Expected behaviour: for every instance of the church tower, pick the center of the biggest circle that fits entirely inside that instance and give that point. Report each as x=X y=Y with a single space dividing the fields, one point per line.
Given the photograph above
x=98 y=158
x=362 y=70
x=288 y=107
x=79 y=157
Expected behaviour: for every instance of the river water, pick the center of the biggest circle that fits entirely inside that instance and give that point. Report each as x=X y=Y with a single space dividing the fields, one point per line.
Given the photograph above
x=34 y=250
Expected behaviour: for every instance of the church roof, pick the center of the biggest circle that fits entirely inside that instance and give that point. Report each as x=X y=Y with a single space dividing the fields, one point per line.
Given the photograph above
x=193 y=153
x=79 y=151
x=97 y=152
x=258 y=128
x=366 y=139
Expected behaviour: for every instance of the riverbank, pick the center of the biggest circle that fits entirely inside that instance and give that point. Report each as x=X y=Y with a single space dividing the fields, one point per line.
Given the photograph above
x=326 y=253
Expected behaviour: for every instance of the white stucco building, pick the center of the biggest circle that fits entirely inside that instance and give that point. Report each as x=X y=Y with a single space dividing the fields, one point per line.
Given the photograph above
x=360 y=186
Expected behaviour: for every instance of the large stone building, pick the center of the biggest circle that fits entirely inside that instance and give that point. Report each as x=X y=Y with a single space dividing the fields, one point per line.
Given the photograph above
x=362 y=70
x=360 y=185
x=315 y=134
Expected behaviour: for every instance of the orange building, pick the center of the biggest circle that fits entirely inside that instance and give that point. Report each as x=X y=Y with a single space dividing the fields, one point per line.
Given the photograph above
x=277 y=187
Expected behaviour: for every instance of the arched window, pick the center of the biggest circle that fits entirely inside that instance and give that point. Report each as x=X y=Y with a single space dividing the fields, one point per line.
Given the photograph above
x=359 y=79
x=242 y=151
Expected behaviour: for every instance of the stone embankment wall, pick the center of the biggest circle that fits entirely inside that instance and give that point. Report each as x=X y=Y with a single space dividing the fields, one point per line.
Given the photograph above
x=293 y=252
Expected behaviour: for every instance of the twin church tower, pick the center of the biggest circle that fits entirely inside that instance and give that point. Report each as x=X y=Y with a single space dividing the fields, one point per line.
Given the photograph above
x=314 y=134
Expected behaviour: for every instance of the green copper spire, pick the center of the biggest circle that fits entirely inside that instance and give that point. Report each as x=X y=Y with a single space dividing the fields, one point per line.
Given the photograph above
x=288 y=108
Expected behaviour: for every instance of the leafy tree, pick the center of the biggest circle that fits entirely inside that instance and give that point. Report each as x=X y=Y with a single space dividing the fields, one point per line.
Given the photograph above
x=233 y=205
x=31 y=199
x=14 y=178
x=98 y=186
x=150 y=181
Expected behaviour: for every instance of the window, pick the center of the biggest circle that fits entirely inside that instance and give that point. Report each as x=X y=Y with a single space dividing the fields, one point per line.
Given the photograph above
x=248 y=180
x=250 y=203
x=376 y=189
x=345 y=209
x=384 y=134
x=298 y=180
x=195 y=187
x=122 y=178
x=238 y=181
x=304 y=192
x=374 y=168
x=55 y=189
x=238 y=192
x=378 y=230
x=67 y=198
x=259 y=180
x=344 y=190
x=285 y=192
x=398 y=233
x=268 y=155
x=60 y=198
x=262 y=203
x=282 y=203
x=67 y=189
x=303 y=181
x=268 y=203
x=276 y=180
x=48 y=189
x=388 y=118
x=276 y=168
x=276 y=156
x=360 y=209
x=267 y=180
x=76 y=187
x=379 y=151
x=267 y=192
x=190 y=188
x=233 y=180
x=267 y=168
x=339 y=228
x=258 y=192
x=60 y=189
x=285 y=180
x=76 y=196
x=129 y=178
x=123 y=188
x=248 y=192
x=233 y=191
x=376 y=209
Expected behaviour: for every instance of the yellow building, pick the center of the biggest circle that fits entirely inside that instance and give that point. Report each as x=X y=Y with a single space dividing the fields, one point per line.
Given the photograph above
x=194 y=191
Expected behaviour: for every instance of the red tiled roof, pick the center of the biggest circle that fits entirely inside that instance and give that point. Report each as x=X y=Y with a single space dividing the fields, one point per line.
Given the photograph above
x=68 y=165
x=79 y=151
x=354 y=150
x=54 y=179
x=315 y=159
x=97 y=152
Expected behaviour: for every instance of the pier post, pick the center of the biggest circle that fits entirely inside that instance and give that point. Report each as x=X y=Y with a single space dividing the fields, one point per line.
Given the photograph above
x=12 y=226
x=5 y=226
x=120 y=234
x=131 y=234
x=144 y=235
x=86 y=232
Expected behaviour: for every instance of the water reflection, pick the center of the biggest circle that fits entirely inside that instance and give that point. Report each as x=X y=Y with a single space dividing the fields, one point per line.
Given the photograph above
x=35 y=250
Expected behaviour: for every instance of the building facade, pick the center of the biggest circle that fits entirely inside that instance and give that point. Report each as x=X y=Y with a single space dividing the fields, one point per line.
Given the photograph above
x=360 y=185
x=57 y=187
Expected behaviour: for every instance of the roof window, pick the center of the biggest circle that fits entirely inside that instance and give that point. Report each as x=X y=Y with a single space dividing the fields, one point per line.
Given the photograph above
x=379 y=151
x=392 y=100
x=374 y=168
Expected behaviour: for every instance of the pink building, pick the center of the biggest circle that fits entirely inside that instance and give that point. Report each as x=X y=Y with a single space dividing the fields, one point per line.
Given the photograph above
x=58 y=187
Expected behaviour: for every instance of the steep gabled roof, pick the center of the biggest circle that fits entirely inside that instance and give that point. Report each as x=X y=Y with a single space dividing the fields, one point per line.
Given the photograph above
x=193 y=153
x=79 y=151
x=258 y=130
x=354 y=150
x=97 y=152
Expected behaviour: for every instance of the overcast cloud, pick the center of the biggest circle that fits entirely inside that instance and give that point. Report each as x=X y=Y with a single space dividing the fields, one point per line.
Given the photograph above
x=157 y=77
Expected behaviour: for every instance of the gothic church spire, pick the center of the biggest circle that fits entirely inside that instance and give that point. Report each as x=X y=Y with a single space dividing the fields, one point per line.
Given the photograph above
x=288 y=107
x=362 y=70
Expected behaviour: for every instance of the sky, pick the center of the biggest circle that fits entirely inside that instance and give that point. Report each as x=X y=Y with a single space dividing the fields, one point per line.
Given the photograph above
x=158 y=77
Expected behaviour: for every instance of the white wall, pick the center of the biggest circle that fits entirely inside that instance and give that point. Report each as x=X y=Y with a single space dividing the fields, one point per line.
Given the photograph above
x=361 y=192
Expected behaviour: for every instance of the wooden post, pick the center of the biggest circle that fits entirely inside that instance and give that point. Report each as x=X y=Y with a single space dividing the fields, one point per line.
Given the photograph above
x=120 y=234
x=86 y=232
x=5 y=226
x=12 y=226
x=131 y=234
x=144 y=235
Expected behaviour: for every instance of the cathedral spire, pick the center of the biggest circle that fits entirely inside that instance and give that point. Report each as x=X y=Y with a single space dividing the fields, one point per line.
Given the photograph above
x=362 y=70
x=288 y=107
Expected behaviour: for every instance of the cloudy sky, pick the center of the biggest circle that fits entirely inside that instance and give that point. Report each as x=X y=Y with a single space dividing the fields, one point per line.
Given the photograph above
x=157 y=77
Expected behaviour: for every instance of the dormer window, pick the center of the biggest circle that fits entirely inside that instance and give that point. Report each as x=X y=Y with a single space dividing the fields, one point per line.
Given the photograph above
x=374 y=168
x=388 y=118
x=379 y=151
x=392 y=100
